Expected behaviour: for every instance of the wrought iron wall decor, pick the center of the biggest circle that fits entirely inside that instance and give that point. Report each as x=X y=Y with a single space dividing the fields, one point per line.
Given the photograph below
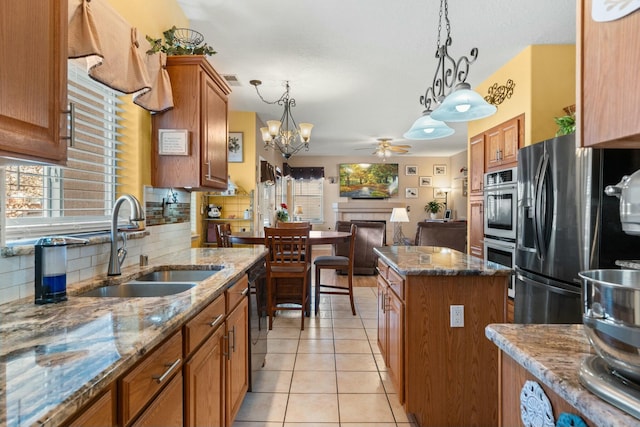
x=497 y=94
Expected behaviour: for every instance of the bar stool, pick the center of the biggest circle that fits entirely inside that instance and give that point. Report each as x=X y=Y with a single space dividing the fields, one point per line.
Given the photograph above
x=288 y=270
x=337 y=262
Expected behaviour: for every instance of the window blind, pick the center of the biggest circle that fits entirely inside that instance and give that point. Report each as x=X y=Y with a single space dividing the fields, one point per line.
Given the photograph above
x=308 y=193
x=45 y=200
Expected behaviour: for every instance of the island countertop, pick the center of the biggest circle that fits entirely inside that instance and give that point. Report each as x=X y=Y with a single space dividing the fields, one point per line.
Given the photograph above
x=553 y=354
x=55 y=358
x=437 y=261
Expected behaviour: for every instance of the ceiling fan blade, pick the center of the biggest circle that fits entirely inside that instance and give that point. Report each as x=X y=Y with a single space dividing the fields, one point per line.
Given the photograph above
x=402 y=146
x=397 y=149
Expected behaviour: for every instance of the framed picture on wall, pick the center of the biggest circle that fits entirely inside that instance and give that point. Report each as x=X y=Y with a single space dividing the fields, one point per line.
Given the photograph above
x=425 y=181
x=235 y=147
x=411 y=193
x=411 y=170
x=438 y=193
x=439 y=169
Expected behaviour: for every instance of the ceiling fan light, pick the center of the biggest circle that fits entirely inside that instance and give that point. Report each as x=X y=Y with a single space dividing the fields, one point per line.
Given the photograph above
x=463 y=105
x=425 y=127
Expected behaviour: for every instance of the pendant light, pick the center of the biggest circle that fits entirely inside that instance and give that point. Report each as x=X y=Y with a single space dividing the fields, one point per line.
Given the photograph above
x=425 y=127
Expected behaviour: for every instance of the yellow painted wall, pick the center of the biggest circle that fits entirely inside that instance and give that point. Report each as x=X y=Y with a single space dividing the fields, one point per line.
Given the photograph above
x=244 y=174
x=544 y=77
x=150 y=17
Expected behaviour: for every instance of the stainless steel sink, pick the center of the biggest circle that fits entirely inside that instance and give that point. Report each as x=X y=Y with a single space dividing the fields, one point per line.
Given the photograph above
x=178 y=275
x=139 y=289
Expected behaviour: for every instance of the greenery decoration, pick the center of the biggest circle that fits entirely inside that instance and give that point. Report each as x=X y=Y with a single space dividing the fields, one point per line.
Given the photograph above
x=433 y=207
x=566 y=124
x=174 y=44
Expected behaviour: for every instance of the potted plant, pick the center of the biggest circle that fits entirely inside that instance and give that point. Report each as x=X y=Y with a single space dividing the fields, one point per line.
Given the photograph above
x=433 y=207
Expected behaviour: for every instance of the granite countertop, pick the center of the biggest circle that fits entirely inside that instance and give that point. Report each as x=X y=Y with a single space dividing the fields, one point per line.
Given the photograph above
x=553 y=354
x=434 y=260
x=630 y=263
x=54 y=358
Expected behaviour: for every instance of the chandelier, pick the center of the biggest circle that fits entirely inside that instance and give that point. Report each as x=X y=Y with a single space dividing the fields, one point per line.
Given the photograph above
x=284 y=134
x=449 y=98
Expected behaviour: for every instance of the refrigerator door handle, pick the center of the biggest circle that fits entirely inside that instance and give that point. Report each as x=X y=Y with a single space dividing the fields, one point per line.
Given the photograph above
x=554 y=289
x=537 y=206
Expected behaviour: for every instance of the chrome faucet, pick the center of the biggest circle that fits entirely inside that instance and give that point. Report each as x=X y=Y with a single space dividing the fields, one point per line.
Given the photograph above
x=118 y=254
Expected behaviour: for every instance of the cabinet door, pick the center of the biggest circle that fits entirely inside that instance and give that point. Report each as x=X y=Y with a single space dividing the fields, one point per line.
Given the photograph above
x=102 y=412
x=511 y=141
x=33 y=80
x=382 y=318
x=493 y=148
x=476 y=163
x=608 y=105
x=166 y=409
x=395 y=350
x=214 y=135
x=237 y=358
x=204 y=384
x=476 y=224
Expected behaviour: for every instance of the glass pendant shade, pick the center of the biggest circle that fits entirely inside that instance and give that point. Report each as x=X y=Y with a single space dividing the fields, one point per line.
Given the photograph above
x=463 y=105
x=266 y=136
x=428 y=128
x=274 y=127
x=305 y=131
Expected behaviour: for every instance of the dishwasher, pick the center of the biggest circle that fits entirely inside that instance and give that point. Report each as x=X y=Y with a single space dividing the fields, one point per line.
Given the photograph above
x=258 y=329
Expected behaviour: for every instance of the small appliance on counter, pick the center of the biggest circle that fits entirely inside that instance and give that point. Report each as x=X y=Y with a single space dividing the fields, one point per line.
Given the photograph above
x=611 y=305
x=51 y=268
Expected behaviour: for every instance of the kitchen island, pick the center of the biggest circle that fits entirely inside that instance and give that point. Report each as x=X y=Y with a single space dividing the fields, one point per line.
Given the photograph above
x=551 y=356
x=57 y=358
x=433 y=306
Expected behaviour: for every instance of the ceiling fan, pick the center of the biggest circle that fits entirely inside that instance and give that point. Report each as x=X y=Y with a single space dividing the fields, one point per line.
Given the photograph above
x=385 y=148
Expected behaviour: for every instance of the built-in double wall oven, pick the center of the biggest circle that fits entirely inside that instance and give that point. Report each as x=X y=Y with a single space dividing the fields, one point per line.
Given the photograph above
x=500 y=219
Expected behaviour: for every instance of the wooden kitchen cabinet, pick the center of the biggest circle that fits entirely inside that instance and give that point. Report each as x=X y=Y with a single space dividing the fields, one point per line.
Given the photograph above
x=237 y=351
x=476 y=226
x=476 y=164
x=391 y=325
x=144 y=382
x=512 y=379
x=166 y=409
x=607 y=99
x=204 y=383
x=101 y=412
x=33 y=80
x=502 y=143
x=200 y=98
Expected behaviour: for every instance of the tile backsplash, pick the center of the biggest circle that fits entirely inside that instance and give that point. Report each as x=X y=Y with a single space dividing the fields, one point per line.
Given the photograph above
x=85 y=262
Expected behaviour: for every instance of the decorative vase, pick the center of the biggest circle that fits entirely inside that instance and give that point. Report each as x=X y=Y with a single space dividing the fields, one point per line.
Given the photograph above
x=432 y=215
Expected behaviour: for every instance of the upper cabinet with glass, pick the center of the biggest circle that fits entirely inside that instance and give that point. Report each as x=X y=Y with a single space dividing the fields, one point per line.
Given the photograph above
x=198 y=158
x=33 y=80
x=608 y=90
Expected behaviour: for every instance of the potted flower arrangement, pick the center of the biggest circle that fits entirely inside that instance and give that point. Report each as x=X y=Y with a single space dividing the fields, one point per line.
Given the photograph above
x=282 y=214
x=433 y=207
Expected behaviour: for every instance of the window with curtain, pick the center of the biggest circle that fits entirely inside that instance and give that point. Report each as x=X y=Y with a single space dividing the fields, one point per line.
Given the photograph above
x=45 y=200
x=308 y=194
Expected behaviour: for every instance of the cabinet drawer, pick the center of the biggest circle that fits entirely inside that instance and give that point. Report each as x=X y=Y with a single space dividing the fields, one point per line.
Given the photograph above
x=166 y=409
x=143 y=382
x=204 y=323
x=396 y=282
x=383 y=269
x=100 y=413
x=236 y=292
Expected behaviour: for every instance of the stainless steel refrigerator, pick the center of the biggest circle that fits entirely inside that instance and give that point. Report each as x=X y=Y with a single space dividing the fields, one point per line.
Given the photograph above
x=566 y=224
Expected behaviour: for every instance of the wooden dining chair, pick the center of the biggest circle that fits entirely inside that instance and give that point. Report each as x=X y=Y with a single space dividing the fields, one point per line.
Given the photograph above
x=223 y=236
x=288 y=270
x=293 y=224
x=337 y=262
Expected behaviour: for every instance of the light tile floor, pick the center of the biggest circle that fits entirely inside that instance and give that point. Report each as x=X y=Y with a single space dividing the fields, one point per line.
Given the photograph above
x=329 y=375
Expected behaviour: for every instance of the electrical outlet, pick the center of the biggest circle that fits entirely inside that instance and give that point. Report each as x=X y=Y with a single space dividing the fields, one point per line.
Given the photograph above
x=457 y=316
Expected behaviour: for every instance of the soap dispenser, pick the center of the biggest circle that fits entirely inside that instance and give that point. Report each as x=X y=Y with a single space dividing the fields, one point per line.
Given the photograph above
x=51 y=268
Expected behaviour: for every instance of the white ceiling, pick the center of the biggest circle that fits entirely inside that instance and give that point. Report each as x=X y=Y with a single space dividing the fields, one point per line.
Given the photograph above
x=358 y=67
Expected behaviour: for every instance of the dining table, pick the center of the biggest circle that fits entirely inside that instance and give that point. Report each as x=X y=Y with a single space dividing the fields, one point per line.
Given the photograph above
x=316 y=237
